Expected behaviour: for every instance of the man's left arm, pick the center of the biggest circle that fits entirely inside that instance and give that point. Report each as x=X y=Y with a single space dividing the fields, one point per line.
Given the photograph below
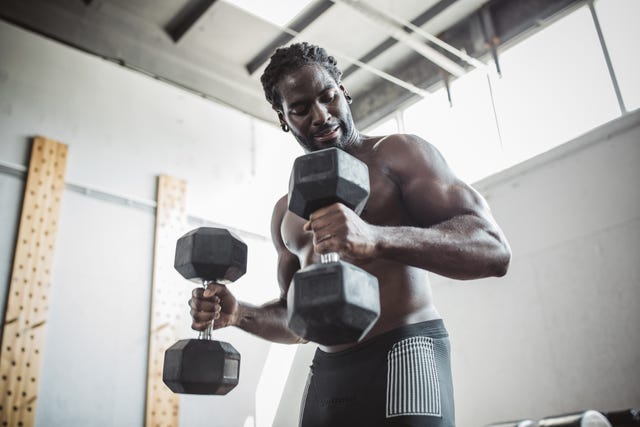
x=454 y=233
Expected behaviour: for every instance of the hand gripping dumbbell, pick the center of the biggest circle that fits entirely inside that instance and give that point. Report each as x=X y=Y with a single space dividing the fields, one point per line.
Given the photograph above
x=332 y=302
x=203 y=365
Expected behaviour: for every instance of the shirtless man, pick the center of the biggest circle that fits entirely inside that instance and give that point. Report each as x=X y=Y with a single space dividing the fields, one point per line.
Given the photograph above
x=419 y=217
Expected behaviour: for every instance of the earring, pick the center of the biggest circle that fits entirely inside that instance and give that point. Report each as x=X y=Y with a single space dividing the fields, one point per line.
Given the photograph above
x=284 y=126
x=348 y=97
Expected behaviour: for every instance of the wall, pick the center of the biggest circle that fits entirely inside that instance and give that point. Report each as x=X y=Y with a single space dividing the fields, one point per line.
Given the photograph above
x=559 y=333
x=124 y=128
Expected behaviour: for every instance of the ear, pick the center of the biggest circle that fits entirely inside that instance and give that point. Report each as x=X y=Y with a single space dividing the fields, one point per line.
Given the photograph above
x=283 y=122
x=345 y=93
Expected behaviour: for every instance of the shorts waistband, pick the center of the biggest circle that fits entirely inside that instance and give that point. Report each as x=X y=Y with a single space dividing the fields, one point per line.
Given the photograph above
x=430 y=328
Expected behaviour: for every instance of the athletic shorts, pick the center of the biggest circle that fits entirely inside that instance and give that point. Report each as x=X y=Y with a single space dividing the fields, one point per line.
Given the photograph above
x=399 y=378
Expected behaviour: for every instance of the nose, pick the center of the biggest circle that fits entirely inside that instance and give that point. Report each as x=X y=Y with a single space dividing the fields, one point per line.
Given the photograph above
x=320 y=115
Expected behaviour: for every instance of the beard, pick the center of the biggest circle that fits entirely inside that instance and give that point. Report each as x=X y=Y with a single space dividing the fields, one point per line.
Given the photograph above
x=308 y=143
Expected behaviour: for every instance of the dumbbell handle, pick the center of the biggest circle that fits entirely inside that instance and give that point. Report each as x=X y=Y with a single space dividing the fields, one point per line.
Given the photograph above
x=206 y=334
x=329 y=257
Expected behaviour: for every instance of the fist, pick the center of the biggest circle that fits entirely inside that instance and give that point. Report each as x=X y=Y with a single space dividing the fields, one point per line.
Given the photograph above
x=214 y=304
x=336 y=228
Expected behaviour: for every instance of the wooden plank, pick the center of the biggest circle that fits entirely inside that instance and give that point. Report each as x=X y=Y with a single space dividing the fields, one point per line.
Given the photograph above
x=169 y=294
x=27 y=301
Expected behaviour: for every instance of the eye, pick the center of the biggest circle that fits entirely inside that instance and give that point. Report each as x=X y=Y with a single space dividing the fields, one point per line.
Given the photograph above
x=298 y=111
x=328 y=97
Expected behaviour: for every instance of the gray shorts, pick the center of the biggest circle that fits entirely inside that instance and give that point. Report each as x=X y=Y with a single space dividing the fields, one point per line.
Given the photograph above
x=399 y=378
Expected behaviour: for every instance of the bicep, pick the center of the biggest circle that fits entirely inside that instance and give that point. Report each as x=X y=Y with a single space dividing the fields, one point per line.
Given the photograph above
x=431 y=192
x=288 y=262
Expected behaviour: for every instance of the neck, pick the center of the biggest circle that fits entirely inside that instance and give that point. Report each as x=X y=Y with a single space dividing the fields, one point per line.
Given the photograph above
x=354 y=141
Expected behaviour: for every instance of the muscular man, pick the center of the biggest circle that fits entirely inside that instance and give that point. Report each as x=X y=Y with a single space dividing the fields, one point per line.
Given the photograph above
x=419 y=217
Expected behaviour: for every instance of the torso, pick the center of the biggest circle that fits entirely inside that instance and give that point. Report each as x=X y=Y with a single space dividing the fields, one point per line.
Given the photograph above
x=405 y=294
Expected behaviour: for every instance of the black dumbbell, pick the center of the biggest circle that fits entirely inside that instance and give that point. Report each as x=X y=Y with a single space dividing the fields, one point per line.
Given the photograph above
x=332 y=302
x=205 y=366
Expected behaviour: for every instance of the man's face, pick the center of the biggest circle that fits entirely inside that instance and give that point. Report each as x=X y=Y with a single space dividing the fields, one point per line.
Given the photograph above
x=314 y=107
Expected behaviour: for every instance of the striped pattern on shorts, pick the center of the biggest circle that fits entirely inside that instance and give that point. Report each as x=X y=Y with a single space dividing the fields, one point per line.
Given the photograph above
x=413 y=387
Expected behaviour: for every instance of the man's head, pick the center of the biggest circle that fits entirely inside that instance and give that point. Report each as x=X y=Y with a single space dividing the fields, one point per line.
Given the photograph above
x=302 y=84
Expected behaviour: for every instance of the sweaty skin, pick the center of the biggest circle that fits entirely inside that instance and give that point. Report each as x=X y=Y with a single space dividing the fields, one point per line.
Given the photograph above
x=419 y=217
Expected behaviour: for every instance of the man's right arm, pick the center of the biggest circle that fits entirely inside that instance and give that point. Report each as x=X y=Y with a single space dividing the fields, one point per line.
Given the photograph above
x=269 y=321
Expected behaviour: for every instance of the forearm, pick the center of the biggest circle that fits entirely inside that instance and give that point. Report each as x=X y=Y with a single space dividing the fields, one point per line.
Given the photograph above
x=464 y=247
x=268 y=321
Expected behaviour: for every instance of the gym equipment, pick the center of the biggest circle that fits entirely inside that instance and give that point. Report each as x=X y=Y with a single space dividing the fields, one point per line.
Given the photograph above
x=332 y=302
x=588 y=418
x=203 y=365
x=625 y=418
x=520 y=423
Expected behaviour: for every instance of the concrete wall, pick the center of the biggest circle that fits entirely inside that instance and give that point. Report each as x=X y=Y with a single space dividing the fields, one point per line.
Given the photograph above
x=559 y=333
x=123 y=129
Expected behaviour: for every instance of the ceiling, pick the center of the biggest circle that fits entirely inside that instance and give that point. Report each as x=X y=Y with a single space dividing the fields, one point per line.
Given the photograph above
x=219 y=50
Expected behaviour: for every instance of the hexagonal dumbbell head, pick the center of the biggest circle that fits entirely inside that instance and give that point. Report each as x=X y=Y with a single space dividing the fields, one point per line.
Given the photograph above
x=333 y=303
x=324 y=177
x=209 y=253
x=201 y=367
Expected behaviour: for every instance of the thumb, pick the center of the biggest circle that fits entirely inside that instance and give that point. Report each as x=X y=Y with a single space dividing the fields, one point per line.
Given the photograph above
x=213 y=289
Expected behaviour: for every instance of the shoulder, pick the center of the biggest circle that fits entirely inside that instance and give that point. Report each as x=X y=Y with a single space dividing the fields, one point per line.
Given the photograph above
x=281 y=206
x=406 y=155
x=277 y=217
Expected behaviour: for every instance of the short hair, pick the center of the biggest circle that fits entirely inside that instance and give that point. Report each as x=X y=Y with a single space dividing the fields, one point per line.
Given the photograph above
x=288 y=59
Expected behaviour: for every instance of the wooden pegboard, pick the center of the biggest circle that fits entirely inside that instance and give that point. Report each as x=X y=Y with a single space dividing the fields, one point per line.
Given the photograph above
x=27 y=301
x=168 y=301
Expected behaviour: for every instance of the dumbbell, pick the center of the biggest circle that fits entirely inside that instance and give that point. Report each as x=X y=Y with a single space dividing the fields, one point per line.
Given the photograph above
x=332 y=302
x=203 y=365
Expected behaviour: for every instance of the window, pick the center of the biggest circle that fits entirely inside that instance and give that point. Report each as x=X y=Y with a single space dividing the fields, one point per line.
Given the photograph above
x=555 y=86
x=465 y=132
x=619 y=23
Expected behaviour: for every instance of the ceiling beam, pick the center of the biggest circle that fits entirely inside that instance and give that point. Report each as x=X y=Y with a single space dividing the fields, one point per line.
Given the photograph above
x=186 y=18
x=151 y=52
x=384 y=75
x=398 y=32
x=422 y=19
x=297 y=25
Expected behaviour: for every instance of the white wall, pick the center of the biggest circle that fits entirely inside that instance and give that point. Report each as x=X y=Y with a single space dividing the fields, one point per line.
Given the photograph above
x=123 y=129
x=559 y=333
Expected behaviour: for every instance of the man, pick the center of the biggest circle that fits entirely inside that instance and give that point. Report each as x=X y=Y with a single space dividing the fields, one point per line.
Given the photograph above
x=419 y=218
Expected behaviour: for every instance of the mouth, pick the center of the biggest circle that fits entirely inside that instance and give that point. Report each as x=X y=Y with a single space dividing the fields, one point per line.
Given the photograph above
x=327 y=134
